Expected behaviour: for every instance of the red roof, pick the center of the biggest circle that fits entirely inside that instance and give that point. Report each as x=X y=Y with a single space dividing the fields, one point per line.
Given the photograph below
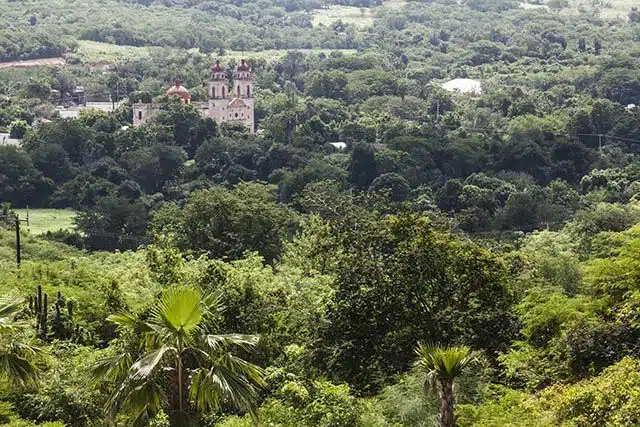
x=244 y=66
x=179 y=90
x=217 y=68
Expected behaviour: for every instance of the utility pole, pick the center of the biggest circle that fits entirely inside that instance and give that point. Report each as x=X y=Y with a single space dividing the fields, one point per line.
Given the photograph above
x=600 y=143
x=18 y=255
x=16 y=221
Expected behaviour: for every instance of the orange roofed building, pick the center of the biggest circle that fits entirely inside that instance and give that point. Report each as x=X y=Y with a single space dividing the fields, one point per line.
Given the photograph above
x=225 y=103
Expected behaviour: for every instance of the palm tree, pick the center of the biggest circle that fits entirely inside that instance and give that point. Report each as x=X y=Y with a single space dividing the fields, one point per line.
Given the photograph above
x=177 y=355
x=17 y=358
x=442 y=366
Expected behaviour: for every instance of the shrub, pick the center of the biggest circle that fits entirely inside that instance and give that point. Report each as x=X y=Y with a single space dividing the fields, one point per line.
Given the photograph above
x=17 y=129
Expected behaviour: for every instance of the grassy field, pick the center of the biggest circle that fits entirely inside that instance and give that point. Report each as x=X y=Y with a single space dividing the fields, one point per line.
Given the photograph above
x=274 y=54
x=43 y=220
x=611 y=9
x=618 y=9
x=104 y=53
x=361 y=17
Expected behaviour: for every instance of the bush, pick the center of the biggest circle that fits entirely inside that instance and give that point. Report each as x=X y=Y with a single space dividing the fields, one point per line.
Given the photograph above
x=17 y=129
x=611 y=399
x=64 y=391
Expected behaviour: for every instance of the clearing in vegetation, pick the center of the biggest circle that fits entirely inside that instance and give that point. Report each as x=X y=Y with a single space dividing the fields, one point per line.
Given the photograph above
x=43 y=220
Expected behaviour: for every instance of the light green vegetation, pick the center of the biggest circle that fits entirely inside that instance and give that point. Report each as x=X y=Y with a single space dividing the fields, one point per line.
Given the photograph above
x=605 y=9
x=273 y=55
x=43 y=220
x=362 y=17
x=617 y=9
x=90 y=52
x=96 y=53
x=90 y=280
x=359 y=16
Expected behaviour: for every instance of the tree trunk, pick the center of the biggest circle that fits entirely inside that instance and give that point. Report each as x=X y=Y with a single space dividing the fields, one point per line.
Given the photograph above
x=447 y=417
x=180 y=383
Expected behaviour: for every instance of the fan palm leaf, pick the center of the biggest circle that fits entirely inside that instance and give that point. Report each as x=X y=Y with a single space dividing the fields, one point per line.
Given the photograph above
x=113 y=368
x=179 y=330
x=211 y=387
x=180 y=310
x=8 y=307
x=16 y=357
x=216 y=343
x=20 y=370
x=147 y=365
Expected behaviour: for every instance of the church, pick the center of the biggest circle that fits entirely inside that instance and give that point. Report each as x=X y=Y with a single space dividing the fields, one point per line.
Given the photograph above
x=225 y=104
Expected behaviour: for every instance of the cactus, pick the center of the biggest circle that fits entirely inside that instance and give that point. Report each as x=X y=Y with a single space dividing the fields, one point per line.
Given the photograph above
x=38 y=307
x=55 y=324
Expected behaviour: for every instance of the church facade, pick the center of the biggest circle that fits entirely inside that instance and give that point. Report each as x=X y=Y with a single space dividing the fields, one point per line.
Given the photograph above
x=224 y=104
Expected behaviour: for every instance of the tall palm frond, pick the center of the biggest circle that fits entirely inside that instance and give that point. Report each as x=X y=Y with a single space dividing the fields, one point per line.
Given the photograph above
x=211 y=387
x=179 y=310
x=227 y=378
x=148 y=364
x=216 y=343
x=151 y=333
x=20 y=370
x=213 y=304
x=8 y=307
x=16 y=357
x=442 y=362
x=176 y=346
x=142 y=400
x=113 y=368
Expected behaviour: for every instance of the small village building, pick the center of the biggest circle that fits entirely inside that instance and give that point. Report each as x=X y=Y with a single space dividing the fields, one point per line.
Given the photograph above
x=468 y=86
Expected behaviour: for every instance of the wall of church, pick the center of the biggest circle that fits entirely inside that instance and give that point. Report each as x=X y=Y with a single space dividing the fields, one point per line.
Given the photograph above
x=142 y=112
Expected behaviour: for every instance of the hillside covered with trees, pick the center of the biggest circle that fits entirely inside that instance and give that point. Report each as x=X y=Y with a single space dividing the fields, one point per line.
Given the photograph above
x=467 y=259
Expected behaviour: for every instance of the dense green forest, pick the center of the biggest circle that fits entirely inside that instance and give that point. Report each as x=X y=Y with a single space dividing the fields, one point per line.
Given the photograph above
x=478 y=249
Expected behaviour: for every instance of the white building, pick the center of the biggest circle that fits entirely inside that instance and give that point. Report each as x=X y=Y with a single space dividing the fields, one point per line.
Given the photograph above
x=225 y=104
x=469 y=86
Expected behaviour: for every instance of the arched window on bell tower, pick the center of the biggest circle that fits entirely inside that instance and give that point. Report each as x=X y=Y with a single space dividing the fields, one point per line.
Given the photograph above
x=238 y=94
x=224 y=95
x=248 y=91
x=213 y=92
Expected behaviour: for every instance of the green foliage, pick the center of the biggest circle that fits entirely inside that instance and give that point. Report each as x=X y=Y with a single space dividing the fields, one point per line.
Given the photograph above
x=227 y=223
x=21 y=182
x=64 y=393
x=18 y=129
x=18 y=357
x=402 y=280
x=505 y=407
x=608 y=400
x=181 y=323
x=355 y=274
x=306 y=404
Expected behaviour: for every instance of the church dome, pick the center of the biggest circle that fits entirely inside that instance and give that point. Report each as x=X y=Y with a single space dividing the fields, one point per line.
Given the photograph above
x=179 y=90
